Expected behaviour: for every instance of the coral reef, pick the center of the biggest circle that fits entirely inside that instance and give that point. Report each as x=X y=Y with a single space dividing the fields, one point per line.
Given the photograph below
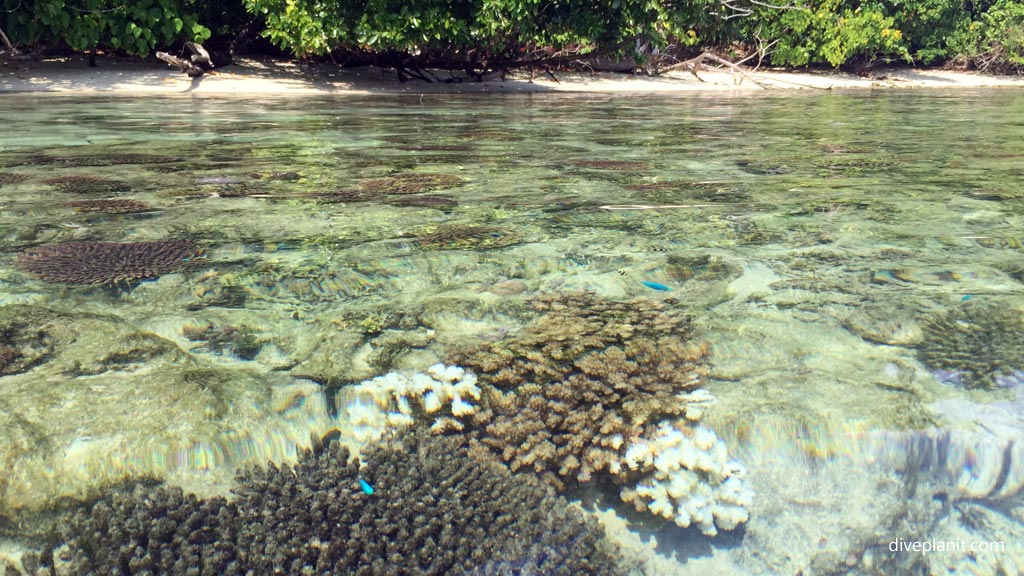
x=224 y=340
x=975 y=345
x=85 y=184
x=106 y=262
x=570 y=326
x=586 y=378
x=437 y=202
x=366 y=411
x=568 y=429
x=109 y=206
x=342 y=196
x=691 y=478
x=463 y=237
x=411 y=183
x=621 y=165
x=114 y=159
x=421 y=505
x=26 y=338
x=761 y=167
x=288 y=176
x=12 y=178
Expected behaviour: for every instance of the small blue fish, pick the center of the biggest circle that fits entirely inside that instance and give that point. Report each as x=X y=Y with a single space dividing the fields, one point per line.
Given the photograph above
x=655 y=286
x=367 y=489
x=965 y=298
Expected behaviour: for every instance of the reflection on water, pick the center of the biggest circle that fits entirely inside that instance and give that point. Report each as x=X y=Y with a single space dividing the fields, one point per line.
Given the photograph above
x=794 y=322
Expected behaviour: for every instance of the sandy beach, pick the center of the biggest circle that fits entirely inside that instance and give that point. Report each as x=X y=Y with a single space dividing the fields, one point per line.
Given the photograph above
x=246 y=76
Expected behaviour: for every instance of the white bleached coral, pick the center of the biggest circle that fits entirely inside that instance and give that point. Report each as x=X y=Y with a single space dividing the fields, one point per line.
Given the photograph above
x=690 y=480
x=369 y=409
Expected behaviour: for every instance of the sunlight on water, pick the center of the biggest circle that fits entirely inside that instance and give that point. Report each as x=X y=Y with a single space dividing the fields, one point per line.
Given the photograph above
x=840 y=274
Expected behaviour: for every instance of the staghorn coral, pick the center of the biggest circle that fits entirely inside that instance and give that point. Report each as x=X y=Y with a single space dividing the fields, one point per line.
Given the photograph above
x=976 y=345
x=411 y=183
x=463 y=237
x=87 y=185
x=422 y=505
x=106 y=262
x=109 y=206
x=585 y=378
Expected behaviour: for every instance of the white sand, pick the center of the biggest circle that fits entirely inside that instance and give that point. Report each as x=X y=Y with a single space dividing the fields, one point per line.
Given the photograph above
x=297 y=78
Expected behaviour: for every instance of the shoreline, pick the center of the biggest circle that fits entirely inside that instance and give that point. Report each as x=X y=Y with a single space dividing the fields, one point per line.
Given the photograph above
x=71 y=75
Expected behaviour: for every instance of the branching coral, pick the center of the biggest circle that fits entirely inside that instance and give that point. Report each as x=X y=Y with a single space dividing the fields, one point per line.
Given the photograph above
x=690 y=478
x=569 y=429
x=87 y=185
x=462 y=237
x=411 y=183
x=109 y=206
x=977 y=345
x=366 y=411
x=423 y=505
x=12 y=178
x=436 y=202
x=623 y=165
x=584 y=379
x=106 y=262
x=569 y=327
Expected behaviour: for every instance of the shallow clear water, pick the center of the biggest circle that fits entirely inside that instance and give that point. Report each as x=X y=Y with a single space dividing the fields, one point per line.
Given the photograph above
x=855 y=262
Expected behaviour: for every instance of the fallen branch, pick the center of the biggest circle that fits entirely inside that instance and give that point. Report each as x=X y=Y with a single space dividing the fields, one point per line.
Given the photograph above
x=694 y=64
x=199 y=62
x=7 y=43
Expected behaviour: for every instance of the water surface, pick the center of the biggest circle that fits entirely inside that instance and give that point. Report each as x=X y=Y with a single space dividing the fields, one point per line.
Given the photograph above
x=853 y=260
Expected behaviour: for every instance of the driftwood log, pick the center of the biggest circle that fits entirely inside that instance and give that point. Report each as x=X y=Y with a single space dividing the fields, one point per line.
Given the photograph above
x=198 y=63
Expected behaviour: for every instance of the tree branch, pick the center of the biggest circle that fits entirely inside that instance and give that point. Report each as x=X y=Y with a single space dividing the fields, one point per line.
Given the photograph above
x=7 y=43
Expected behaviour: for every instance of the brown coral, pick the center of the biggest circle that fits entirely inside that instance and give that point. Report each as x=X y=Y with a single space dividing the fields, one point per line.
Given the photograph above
x=582 y=381
x=109 y=206
x=87 y=185
x=12 y=178
x=411 y=183
x=436 y=202
x=98 y=160
x=342 y=196
x=106 y=262
x=462 y=237
x=420 y=505
x=976 y=345
x=622 y=165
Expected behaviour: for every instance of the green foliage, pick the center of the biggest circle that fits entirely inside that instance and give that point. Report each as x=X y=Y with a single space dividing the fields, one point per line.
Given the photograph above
x=832 y=32
x=491 y=34
x=133 y=27
x=479 y=30
x=995 y=40
x=927 y=25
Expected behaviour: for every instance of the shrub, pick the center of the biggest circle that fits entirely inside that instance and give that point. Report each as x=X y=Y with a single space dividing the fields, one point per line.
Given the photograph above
x=994 y=41
x=832 y=32
x=133 y=27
